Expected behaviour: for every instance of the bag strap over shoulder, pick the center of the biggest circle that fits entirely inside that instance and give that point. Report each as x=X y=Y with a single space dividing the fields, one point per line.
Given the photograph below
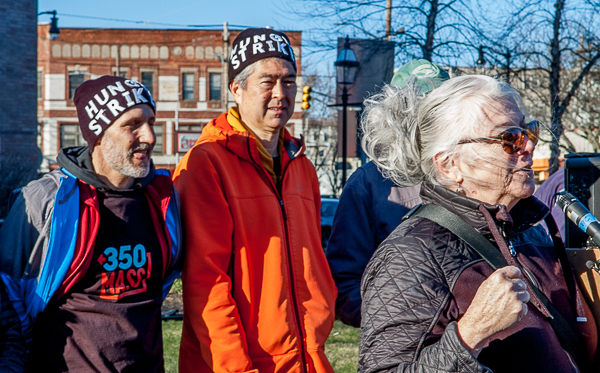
x=447 y=219
x=467 y=233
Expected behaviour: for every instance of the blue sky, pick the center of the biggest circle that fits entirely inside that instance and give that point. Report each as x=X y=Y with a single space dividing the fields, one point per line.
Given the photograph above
x=179 y=13
x=176 y=12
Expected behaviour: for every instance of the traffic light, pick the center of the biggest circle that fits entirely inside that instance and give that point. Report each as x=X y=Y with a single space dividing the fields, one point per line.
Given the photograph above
x=306 y=97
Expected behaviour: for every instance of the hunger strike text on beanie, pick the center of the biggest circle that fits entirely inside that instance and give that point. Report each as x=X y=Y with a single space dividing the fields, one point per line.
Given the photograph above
x=101 y=101
x=254 y=44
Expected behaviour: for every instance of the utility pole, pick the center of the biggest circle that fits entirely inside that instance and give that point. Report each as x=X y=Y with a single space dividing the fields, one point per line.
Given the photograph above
x=388 y=20
x=225 y=75
x=508 y=56
x=118 y=57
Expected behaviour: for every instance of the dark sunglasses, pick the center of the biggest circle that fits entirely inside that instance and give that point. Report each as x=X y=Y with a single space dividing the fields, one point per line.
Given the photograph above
x=512 y=139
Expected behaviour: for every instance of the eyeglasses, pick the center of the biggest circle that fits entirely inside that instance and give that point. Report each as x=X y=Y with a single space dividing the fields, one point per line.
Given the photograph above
x=512 y=139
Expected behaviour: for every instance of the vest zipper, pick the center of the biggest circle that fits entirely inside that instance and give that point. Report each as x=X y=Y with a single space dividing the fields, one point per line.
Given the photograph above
x=513 y=252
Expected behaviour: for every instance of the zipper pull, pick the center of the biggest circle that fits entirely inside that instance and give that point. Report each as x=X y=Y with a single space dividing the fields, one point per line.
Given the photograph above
x=282 y=209
x=513 y=252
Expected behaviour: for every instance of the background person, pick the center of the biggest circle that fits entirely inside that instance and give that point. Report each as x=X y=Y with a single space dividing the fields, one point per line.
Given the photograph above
x=547 y=194
x=430 y=303
x=371 y=207
x=90 y=250
x=12 y=343
x=257 y=291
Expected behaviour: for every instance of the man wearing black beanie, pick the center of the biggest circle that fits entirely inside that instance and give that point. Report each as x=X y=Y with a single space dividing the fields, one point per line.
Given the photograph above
x=258 y=294
x=90 y=250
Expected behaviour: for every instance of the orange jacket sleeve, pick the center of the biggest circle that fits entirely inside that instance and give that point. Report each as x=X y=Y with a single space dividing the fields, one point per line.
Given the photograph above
x=211 y=313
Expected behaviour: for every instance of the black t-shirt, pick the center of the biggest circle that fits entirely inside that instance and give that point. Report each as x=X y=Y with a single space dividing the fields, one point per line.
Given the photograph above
x=110 y=321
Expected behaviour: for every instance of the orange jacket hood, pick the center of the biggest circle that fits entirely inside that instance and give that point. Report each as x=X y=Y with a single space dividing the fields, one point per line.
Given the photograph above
x=220 y=131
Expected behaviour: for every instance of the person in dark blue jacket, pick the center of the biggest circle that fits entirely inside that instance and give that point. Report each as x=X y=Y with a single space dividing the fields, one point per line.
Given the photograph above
x=12 y=343
x=371 y=207
x=546 y=193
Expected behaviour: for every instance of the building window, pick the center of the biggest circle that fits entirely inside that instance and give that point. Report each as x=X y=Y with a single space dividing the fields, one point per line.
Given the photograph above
x=122 y=74
x=188 y=86
x=159 y=147
x=148 y=81
x=215 y=86
x=70 y=135
x=39 y=85
x=75 y=80
x=191 y=127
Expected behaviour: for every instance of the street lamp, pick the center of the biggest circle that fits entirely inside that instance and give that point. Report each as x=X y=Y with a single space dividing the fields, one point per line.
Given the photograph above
x=507 y=56
x=481 y=60
x=347 y=67
x=54 y=30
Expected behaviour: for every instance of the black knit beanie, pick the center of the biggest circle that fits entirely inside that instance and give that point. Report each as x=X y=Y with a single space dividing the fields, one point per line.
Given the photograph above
x=254 y=44
x=101 y=101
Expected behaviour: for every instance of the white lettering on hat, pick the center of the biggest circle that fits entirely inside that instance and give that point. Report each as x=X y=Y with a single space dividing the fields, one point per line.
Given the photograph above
x=243 y=47
x=114 y=107
x=127 y=96
x=276 y=37
x=257 y=47
x=258 y=38
x=106 y=97
x=424 y=71
x=233 y=52
x=95 y=127
x=234 y=62
x=91 y=109
x=271 y=47
x=132 y=83
x=114 y=89
x=101 y=115
x=282 y=48
x=137 y=94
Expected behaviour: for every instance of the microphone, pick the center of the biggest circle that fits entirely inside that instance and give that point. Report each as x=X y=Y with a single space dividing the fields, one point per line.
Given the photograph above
x=580 y=215
x=592 y=265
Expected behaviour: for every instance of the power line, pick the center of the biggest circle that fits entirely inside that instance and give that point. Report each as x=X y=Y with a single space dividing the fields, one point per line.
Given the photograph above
x=219 y=26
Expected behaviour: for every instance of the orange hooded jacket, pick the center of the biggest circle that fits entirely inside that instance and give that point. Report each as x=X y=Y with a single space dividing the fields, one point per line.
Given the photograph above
x=257 y=290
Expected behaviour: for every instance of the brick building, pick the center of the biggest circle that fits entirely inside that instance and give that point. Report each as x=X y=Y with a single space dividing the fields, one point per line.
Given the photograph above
x=184 y=70
x=19 y=154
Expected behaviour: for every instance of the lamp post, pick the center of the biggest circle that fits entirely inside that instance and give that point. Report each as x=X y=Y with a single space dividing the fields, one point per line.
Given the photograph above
x=54 y=30
x=507 y=56
x=225 y=74
x=481 y=60
x=346 y=66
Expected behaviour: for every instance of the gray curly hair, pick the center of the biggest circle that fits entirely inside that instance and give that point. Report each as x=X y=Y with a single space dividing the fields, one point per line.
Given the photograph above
x=403 y=131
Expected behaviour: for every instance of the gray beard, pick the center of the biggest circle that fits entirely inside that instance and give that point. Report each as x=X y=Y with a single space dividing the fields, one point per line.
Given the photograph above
x=121 y=161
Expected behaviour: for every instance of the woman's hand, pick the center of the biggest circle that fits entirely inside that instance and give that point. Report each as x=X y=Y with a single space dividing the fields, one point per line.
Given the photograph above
x=500 y=301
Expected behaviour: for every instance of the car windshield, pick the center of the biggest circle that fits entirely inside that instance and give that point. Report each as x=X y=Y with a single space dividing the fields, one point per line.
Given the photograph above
x=328 y=209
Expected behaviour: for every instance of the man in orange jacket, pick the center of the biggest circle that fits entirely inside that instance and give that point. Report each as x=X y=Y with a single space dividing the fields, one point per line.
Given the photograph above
x=258 y=293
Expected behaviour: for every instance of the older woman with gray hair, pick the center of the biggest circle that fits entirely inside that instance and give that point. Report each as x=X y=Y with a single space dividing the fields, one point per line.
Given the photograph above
x=470 y=282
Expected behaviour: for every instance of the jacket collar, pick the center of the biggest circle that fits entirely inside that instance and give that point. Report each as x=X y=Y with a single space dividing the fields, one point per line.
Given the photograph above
x=526 y=213
x=77 y=161
x=245 y=146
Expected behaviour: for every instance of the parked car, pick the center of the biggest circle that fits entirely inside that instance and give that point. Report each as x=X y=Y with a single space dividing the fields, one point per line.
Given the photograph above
x=328 y=208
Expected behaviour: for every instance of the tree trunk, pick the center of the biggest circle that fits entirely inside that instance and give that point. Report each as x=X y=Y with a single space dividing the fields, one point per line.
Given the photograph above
x=555 y=70
x=428 y=47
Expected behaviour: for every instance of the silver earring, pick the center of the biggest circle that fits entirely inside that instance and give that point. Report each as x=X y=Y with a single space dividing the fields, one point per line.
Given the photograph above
x=460 y=190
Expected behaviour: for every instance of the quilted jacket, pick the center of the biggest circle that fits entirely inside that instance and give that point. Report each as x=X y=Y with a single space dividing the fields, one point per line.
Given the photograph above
x=370 y=208
x=411 y=302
